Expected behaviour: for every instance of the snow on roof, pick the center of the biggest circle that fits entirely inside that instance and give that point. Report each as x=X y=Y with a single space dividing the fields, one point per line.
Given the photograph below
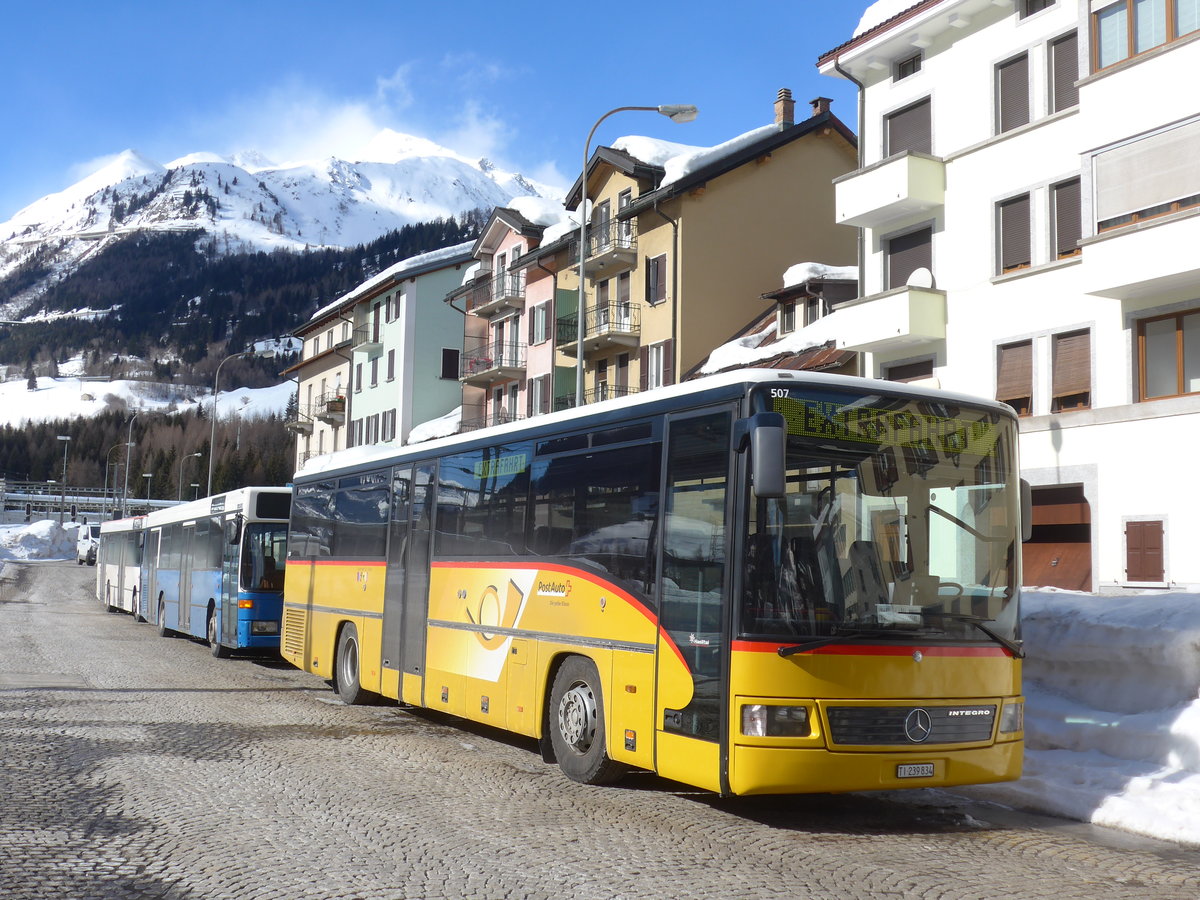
x=413 y=262
x=652 y=150
x=809 y=271
x=680 y=160
x=879 y=12
x=539 y=210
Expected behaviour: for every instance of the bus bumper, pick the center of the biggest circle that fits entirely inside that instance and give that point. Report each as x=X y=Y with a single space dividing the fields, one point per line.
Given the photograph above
x=785 y=770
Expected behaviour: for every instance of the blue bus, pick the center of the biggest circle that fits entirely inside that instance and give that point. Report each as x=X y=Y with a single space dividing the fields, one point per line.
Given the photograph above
x=213 y=568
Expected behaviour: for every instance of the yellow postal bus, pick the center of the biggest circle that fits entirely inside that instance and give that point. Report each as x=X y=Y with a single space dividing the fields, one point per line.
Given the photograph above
x=761 y=582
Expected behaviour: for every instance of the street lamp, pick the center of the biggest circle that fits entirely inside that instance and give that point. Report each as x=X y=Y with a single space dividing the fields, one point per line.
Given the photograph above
x=62 y=507
x=265 y=353
x=128 y=453
x=148 y=476
x=107 y=463
x=182 y=460
x=676 y=112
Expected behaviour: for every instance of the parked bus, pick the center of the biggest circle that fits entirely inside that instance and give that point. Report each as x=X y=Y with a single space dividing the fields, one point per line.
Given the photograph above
x=119 y=564
x=760 y=582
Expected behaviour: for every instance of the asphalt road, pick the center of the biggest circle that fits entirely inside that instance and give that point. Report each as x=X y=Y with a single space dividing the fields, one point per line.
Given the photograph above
x=134 y=766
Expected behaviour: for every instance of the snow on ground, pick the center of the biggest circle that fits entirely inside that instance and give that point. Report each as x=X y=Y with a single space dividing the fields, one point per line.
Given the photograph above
x=71 y=398
x=1112 y=717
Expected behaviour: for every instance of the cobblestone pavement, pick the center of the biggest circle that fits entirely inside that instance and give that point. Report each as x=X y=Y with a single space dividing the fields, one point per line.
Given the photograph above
x=134 y=766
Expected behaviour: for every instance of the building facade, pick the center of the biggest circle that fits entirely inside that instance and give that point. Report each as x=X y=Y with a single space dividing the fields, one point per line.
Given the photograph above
x=1027 y=197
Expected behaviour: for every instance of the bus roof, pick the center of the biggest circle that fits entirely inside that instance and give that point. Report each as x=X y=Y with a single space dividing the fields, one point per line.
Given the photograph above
x=652 y=401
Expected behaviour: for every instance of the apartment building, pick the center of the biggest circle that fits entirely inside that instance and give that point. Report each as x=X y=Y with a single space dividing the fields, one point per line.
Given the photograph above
x=680 y=246
x=381 y=358
x=1028 y=200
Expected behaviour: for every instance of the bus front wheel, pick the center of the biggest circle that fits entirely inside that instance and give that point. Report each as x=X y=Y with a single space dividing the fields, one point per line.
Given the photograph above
x=219 y=650
x=348 y=670
x=577 y=724
x=163 y=630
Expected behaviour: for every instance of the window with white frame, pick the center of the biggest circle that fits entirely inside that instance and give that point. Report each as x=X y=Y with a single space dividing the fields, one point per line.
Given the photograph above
x=375 y=371
x=910 y=65
x=910 y=128
x=1029 y=7
x=1012 y=94
x=1013 y=231
x=1064 y=72
x=787 y=317
x=539 y=323
x=391 y=365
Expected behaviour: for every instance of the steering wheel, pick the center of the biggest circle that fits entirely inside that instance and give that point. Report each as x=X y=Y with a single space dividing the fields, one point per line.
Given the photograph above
x=953 y=585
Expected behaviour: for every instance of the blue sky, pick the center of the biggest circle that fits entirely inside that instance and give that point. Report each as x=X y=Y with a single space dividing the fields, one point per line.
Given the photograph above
x=521 y=84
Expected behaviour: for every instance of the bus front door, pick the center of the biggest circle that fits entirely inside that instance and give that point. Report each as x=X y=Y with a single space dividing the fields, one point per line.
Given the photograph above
x=693 y=579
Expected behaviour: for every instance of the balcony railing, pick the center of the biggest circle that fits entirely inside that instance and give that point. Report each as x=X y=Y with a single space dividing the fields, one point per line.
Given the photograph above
x=330 y=408
x=503 y=291
x=488 y=361
x=611 y=245
x=606 y=325
x=367 y=339
x=488 y=419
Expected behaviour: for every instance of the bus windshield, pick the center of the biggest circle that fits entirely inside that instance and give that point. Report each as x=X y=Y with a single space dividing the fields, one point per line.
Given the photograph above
x=264 y=549
x=900 y=516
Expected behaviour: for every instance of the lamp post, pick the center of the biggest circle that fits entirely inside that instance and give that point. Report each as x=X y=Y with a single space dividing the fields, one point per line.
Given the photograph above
x=62 y=506
x=265 y=353
x=182 y=460
x=128 y=453
x=676 y=112
x=107 y=463
x=149 y=476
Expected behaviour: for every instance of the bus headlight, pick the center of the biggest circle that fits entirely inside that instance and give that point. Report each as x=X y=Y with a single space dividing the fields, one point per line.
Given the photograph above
x=264 y=627
x=761 y=720
x=1012 y=718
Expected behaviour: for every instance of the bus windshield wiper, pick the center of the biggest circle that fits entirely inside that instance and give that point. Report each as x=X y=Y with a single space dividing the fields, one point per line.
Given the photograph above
x=843 y=635
x=1014 y=647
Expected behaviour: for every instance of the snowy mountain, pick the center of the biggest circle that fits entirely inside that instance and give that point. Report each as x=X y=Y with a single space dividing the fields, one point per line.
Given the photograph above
x=248 y=203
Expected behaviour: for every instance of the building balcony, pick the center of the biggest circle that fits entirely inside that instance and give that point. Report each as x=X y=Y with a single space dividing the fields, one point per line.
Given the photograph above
x=367 y=340
x=1155 y=258
x=611 y=248
x=302 y=424
x=488 y=419
x=487 y=362
x=330 y=409
x=490 y=295
x=903 y=317
x=896 y=188
x=606 y=326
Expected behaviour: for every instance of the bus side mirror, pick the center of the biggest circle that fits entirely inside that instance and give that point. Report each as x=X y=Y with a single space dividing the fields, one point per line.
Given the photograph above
x=235 y=528
x=1026 y=511
x=767 y=435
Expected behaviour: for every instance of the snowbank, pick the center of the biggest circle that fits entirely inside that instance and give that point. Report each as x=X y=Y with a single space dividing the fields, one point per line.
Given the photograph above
x=45 y=539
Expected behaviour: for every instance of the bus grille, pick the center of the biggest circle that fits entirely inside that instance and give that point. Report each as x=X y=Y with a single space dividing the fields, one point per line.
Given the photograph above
x=293 y=632
x=907 y=725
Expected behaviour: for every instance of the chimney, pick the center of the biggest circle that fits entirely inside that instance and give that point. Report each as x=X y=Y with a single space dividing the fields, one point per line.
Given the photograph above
x=785 y=109
x=820 y=105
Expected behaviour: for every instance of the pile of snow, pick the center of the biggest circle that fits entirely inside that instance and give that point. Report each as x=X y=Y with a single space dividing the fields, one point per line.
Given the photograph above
x=879 y=12
x=1112 y=716
x=812 y=271
x=38 y=540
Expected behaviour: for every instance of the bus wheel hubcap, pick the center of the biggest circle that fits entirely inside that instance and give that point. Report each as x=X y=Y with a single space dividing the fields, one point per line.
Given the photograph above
x=577 y=717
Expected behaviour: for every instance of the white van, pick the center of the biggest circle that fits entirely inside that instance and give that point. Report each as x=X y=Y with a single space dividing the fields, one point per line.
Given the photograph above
x=85 y=547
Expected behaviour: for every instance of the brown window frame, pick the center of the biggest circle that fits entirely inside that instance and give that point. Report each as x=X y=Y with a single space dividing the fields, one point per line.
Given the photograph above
x=1071 y=362
x=1179 y=355
x=1014 y=236
x=909 y=66
x=1170 y=14
x=1014 y=375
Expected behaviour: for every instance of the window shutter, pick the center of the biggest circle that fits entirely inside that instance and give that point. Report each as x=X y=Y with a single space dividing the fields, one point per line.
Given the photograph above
x=1072 y=363
x=668 y=361
x=643 y=368
x=1014 y=375
x=907 y=253
x=910 y=129
x=1068 y=224
x=1064 y=61
x=1012 y=83
x=1014 y=234
x=1148 y=172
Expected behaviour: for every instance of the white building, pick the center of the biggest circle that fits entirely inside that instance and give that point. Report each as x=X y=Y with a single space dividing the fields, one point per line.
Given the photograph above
x=1029 y=198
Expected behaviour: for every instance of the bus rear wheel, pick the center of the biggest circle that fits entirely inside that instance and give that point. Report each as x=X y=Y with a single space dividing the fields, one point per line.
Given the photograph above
x=163 y=630
x=347 y=670
x=219 y=650
x=577 y=724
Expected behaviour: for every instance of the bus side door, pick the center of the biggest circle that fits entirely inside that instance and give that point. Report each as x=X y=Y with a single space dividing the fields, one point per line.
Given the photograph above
x=693 y=584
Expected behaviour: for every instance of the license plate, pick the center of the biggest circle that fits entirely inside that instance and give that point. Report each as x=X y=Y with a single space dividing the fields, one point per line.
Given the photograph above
x=915 y=770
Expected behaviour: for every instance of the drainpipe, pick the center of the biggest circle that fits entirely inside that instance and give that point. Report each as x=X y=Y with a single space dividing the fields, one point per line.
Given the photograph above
x=675 y=298
x=862 y=248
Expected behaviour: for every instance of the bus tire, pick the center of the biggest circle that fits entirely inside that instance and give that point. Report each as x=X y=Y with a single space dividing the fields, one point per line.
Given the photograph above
x=347 y=669
x=163 y=630
x=219 y=650
x=576 y=724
